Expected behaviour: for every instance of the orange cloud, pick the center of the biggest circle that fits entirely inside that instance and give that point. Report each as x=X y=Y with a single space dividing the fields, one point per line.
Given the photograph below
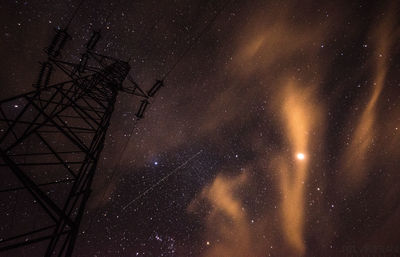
x=356 y=156
x=300 y=116
x=228 y=233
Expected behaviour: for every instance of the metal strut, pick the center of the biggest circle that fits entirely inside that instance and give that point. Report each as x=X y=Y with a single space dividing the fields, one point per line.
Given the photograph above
x=44 y=75
x=61 y=37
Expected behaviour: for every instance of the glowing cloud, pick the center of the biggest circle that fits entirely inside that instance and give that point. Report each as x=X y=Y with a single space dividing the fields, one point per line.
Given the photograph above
x=299 y=114
x=356 y=155
x=228 y=233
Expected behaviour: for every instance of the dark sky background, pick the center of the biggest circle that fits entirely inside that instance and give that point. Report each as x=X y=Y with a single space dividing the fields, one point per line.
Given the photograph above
x=281 y=125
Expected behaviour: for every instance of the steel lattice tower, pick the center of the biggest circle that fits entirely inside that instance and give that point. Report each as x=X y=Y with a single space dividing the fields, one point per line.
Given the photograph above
x=50 y=143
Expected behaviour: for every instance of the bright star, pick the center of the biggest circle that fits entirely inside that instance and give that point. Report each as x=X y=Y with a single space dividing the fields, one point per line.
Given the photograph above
x=300 y=156
x=155 y=163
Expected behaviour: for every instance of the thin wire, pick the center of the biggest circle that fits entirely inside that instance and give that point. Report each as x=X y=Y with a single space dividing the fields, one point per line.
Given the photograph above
x=74 y=14
x=161 y=180
x=163 y=78
x=112 y=11
x=205 y=29
x=116 y=168
x=109 y=34
x=147 y=36
x=196 y=39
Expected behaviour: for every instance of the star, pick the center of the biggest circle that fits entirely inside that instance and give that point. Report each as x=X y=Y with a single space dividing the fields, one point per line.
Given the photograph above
x=300 y=156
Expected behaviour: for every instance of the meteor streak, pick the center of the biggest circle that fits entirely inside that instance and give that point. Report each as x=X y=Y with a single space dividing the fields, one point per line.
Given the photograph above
x=161 y=180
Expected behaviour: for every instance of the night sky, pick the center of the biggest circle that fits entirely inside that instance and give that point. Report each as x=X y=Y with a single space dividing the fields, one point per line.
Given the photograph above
x=276 y=134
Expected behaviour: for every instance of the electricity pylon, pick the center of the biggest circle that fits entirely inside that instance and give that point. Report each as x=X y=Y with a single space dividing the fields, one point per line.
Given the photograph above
x=50 y=143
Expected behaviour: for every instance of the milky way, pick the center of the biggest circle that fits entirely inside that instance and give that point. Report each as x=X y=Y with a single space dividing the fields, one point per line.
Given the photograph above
x=294 y=107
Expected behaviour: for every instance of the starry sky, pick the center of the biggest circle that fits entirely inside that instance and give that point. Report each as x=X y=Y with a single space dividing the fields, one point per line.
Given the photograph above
x=276 y=134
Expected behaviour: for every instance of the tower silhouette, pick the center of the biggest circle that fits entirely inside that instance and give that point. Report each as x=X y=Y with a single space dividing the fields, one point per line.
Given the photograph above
x=50 y=143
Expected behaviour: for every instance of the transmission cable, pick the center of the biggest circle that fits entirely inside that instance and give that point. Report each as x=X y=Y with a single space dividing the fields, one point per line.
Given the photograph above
x=74 y=14
x=110 y=13
x=196 y=39
x=188 y=49
x=191 y=45
x=205 y=29
x=172 y=68
x=115 y=169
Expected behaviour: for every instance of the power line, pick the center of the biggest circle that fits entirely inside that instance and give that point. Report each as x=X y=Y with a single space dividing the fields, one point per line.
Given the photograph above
x=189 y=47
x=112 y=11
x=113 y=8
x=147 y=36
x=116 y=168
x=174 y=66
x=205 y=29
x=74 y=14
